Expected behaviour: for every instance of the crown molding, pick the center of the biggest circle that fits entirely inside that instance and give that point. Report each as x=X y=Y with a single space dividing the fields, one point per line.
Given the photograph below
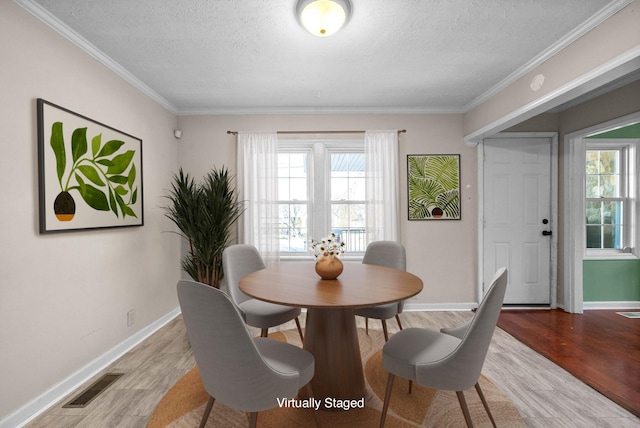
x=597 y=19
x=604 y=74
x=63 y=29
x=233 y=111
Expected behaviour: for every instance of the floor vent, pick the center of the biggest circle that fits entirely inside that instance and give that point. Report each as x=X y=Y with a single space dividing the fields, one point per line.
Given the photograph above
x=97 y=388
x=629 y=314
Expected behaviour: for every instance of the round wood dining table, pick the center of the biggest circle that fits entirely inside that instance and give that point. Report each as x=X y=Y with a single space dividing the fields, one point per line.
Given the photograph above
x=330 y=330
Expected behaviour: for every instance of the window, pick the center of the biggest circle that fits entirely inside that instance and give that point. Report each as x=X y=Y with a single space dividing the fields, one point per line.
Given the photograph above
x=293 y=201
x=348 y=199
x=321 y=189
x=609 y=196
x=296 y=190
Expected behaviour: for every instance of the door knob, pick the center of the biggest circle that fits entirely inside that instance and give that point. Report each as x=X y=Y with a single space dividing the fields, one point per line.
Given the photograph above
x=547 y=233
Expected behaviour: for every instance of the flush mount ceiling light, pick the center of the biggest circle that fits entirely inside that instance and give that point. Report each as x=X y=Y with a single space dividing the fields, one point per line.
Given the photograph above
x=323 y=17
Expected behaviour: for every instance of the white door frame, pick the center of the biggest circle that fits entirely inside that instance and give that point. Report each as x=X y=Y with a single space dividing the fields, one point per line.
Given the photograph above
x=553 y=282
x=573 y=218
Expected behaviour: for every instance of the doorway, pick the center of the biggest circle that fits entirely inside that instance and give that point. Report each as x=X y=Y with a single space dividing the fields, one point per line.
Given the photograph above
x=576 y=251
x=518 y=205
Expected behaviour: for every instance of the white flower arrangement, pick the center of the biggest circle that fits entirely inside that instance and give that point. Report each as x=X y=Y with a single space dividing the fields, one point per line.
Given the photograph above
x=331 y=246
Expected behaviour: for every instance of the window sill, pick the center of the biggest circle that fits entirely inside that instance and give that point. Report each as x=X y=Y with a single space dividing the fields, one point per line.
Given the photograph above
x=308 y=258
x=611 y=256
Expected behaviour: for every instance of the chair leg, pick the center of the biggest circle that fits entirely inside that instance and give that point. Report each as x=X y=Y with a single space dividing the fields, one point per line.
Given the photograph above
x=253 y=419
x=387 y=398
x=384 y=329
x=299 y=330
x=366 y=325
x=485 y=404
x=398 y=319
x=207 y=411
x=264 y=332
x=465 y=409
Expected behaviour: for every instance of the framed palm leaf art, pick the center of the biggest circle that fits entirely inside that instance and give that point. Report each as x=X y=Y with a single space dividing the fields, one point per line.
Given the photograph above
x=434 y=187
x=90 y=174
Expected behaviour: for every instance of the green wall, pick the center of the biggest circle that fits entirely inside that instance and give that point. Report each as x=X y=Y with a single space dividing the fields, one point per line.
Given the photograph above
x=611 y=280
x=631 y=131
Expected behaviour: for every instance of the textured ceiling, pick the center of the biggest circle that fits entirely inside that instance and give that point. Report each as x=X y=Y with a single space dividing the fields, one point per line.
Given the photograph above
x=252 y=56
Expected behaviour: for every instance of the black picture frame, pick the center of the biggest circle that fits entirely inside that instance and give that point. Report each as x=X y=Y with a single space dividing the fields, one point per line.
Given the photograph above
x=89 y=173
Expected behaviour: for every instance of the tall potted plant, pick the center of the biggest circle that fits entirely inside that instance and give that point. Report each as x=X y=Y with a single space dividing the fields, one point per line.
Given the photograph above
x=205 y=214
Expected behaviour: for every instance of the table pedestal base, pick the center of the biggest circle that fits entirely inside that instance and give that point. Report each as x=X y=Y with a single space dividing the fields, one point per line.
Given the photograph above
x=332 y=338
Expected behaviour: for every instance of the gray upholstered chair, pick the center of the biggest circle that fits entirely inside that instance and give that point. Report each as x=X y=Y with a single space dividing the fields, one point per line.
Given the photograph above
x=246 y=374
x=238 y=261
x=450 y=359
x=390 y=254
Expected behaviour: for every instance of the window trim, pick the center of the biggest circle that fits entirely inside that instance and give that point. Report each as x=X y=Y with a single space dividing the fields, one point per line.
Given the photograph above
x=627 y=192
x=320 y=151
x=629 y=187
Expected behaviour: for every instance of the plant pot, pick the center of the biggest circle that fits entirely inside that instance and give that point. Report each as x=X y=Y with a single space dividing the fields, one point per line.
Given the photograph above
x=64 y=207
x=329 y=267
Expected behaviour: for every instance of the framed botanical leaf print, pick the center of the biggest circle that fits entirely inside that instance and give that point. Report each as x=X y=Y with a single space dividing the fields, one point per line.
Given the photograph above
x=90 y=175
x=434 y=187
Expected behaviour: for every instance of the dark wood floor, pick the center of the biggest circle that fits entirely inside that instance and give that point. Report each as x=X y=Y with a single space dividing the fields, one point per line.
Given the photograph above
x=599 y=347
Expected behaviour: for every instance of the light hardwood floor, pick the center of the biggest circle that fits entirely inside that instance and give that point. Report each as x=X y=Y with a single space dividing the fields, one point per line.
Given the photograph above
x=545 y=395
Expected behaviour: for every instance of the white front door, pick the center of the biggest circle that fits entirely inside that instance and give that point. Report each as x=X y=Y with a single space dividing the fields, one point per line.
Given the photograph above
x=517 y=216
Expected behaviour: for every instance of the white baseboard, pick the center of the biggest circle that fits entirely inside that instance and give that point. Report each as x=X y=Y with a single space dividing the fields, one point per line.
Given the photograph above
x=425 y=307
x=34 y=408
x=610 y=305
x=415 y=307
x=44 y=401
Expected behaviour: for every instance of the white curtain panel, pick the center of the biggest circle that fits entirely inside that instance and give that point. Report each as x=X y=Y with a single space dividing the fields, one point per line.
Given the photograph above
x=258 y=189
x=381 y=188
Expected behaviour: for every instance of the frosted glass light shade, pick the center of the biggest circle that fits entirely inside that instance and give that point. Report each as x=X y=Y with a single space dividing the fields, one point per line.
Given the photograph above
x=323 y=17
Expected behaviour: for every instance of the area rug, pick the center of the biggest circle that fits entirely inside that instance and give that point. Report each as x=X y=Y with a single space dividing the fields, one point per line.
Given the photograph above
x=184 y=403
